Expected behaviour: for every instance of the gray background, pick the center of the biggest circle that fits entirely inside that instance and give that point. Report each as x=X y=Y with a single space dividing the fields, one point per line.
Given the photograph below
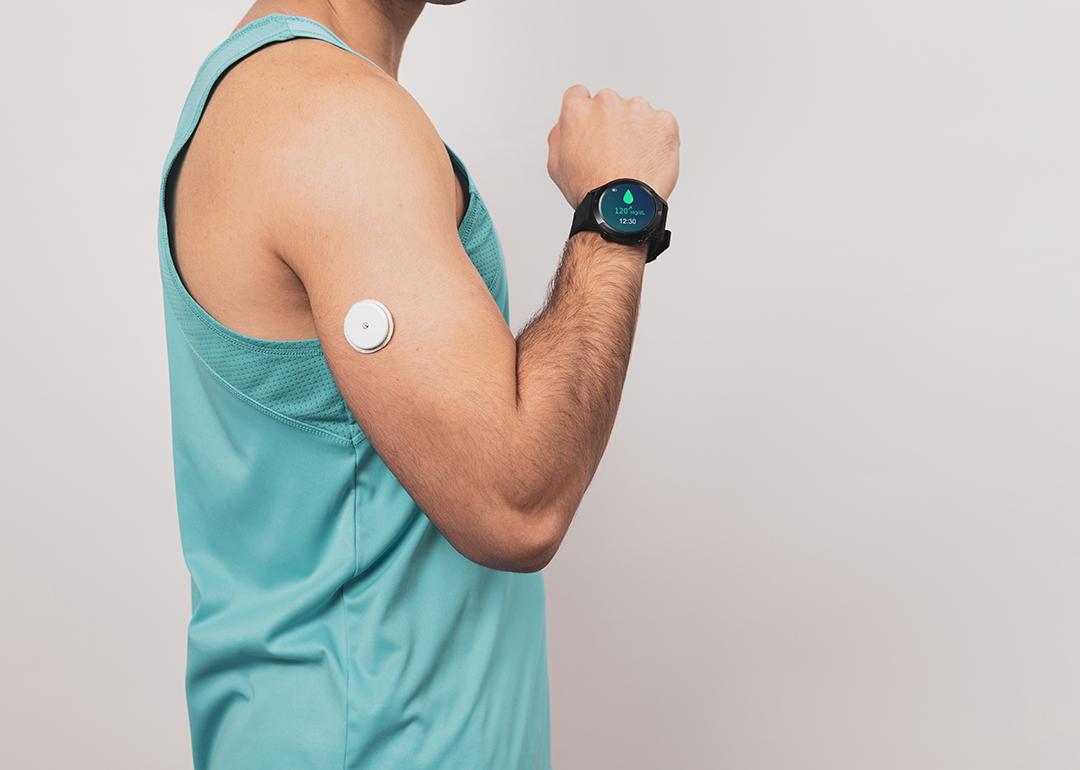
x=837 y=526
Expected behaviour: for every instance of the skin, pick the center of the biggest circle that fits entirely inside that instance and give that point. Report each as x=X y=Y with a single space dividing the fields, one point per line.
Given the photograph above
x=315 y=181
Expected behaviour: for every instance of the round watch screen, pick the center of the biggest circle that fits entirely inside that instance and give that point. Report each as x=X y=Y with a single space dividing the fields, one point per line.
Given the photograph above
x=627 y=207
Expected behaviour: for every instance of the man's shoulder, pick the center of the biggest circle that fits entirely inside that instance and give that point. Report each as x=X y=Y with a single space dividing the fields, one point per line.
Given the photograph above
x=307 y=128
x=288 y=90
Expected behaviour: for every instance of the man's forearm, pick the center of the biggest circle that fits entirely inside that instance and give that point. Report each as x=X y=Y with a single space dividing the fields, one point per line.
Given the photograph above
x=571 y=364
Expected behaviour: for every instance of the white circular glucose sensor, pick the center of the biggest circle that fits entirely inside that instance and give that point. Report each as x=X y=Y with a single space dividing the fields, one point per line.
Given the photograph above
x=368 y=326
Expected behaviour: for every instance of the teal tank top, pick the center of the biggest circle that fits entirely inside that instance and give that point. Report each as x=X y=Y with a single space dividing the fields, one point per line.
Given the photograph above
x=332 y=625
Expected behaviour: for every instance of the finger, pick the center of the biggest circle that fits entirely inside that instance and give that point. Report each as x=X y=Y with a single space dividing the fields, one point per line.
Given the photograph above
x=574 y=96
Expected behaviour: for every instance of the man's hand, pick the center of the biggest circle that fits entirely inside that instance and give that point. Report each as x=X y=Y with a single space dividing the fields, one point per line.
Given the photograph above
x=605 y=137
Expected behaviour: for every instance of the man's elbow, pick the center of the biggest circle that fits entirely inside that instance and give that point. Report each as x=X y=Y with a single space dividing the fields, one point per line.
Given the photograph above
x=537 y=546
x=514 y=527
x=524 y=541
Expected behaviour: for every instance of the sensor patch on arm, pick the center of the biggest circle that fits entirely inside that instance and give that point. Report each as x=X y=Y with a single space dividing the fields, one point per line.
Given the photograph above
x=368 y=326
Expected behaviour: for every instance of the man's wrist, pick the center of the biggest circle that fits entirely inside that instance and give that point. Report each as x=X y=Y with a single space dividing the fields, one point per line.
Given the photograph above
x=600 y=249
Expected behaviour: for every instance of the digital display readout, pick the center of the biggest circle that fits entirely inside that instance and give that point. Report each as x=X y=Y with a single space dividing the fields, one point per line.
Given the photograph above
x=627 y=207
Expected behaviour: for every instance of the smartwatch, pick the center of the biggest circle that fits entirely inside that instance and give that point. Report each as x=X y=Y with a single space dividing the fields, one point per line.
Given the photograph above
x=625 y=211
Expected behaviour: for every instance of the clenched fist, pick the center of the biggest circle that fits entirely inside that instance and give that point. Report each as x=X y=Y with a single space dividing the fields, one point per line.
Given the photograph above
x=604 y=137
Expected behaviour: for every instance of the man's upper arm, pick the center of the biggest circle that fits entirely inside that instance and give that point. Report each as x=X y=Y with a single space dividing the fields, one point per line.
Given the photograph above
x=365 y=209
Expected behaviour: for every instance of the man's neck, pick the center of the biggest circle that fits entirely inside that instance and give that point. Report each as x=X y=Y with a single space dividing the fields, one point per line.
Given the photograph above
x=375 y=28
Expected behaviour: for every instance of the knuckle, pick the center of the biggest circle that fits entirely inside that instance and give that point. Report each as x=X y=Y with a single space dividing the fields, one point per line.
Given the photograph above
x=573 y=106
x=668 y=121
x=575 y=91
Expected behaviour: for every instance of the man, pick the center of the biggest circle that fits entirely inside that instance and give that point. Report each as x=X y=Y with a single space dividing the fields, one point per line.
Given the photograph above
x=371 y=470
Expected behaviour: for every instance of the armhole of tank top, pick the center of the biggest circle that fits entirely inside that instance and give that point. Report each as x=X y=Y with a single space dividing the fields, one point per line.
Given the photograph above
x=267 y=372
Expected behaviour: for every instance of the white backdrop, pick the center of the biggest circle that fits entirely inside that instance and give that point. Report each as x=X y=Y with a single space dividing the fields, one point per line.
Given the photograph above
x=837 y=526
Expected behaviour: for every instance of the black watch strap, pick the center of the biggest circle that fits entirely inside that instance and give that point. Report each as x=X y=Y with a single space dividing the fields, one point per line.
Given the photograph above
x=656 y=236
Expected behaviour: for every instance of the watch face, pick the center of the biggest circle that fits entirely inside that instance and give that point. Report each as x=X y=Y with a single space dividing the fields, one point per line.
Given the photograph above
x=627 y=207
